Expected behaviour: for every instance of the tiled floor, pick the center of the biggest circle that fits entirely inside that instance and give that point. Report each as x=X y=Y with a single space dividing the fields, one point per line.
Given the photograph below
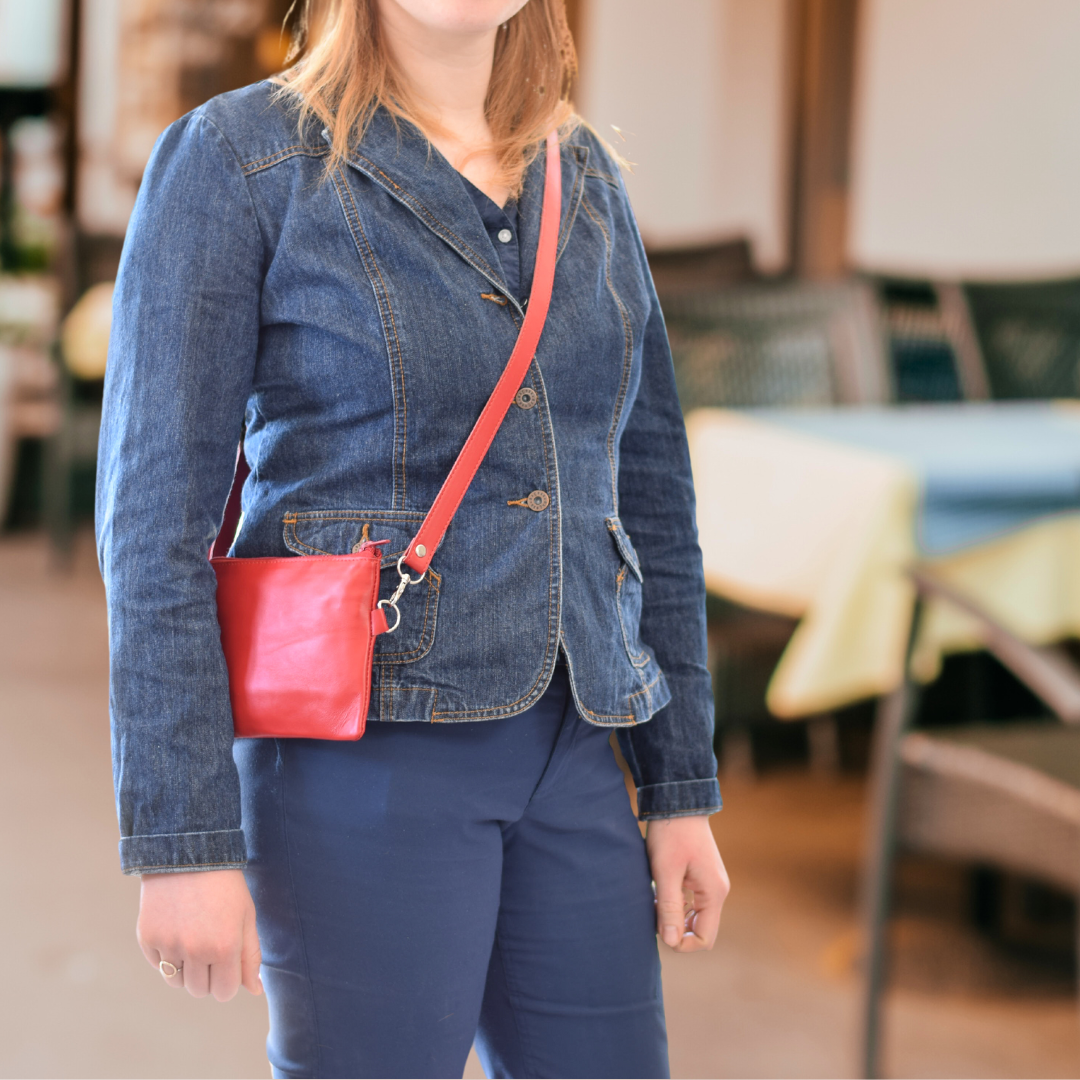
x=776 y=998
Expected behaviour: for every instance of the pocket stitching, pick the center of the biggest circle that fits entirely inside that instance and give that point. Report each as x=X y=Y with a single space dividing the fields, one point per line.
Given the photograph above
x=640 y=659
x=624 y=545
x=434 y=587
x=293 y=541
x=394 y=517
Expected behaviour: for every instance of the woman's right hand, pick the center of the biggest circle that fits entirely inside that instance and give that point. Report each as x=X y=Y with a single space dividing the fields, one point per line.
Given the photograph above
x=203 y=923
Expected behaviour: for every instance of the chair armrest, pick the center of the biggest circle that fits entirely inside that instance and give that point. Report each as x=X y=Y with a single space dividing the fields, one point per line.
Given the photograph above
x=1046 y=670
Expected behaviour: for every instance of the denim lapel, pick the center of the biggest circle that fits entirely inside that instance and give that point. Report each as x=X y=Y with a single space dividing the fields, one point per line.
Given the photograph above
x=399 y=159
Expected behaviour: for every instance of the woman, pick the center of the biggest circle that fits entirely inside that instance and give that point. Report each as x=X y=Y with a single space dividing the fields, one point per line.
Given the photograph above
x=338 y=265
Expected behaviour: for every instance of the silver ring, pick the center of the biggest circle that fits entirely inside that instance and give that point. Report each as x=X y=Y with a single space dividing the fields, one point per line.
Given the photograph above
x=397 y=612
x=408 y=579
x=163 y=964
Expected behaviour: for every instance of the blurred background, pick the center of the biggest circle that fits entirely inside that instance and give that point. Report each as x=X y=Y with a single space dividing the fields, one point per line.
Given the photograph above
x=862 y=220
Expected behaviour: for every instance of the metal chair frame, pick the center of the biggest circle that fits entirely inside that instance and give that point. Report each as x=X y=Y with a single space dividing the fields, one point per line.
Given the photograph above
x=1049 y=673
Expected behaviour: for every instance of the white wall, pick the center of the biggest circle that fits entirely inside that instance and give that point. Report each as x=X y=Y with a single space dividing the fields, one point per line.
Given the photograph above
x=698 y=88
x=966 y=159
x=32 y=41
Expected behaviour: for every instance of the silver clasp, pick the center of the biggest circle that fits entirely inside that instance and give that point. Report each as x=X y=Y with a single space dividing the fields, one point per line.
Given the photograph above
x=403 y=584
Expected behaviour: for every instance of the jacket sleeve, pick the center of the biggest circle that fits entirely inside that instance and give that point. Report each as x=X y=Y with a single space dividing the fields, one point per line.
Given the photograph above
x=181 y=359
x=671 y=757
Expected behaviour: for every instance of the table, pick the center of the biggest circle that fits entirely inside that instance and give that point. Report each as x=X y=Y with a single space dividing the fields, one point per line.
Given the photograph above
x=820 y=513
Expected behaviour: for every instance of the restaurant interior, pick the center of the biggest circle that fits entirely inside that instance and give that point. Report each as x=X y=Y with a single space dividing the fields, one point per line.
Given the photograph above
x=861 y=220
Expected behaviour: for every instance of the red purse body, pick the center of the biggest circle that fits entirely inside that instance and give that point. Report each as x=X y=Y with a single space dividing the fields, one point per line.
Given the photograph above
x=298 y=633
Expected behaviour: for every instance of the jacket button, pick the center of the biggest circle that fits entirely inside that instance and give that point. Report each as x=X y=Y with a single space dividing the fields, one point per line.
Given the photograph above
x=537 y=500
x=525 y=398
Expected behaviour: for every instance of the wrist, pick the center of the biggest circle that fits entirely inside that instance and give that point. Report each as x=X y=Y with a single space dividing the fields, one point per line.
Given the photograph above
x=679 y=823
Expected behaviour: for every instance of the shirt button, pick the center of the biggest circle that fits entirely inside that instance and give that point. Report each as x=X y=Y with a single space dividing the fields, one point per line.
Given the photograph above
x=505 y=236
x=537 y=500
x=525 y=398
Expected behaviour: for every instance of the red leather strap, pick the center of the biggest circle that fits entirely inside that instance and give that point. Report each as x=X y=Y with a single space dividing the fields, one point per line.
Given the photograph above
x=484 y=430
x=476 y=446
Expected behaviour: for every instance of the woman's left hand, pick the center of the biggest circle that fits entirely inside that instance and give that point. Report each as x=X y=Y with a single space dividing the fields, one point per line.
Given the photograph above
x=683 y=856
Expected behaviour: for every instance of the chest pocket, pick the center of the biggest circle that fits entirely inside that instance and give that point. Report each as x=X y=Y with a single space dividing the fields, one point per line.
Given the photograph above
x=340 y=532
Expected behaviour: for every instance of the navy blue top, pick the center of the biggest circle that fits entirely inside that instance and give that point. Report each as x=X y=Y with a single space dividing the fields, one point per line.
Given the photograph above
x=502 y=226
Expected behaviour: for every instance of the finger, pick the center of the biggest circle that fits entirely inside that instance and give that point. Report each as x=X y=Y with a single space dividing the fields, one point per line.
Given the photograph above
x=691 y=943
x=175 y=980
x=703 y=927
x=669 y=906
x=197 y=978
x=251 y=959
x=707 y=923
x=154 y=958
x=225 y=978
x=703 y=922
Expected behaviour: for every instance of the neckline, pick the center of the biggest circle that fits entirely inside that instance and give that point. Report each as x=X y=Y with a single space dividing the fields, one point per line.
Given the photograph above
x=470 y=186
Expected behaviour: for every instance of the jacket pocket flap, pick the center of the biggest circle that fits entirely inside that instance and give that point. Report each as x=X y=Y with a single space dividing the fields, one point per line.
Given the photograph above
x=340 y=532
x=622 y=542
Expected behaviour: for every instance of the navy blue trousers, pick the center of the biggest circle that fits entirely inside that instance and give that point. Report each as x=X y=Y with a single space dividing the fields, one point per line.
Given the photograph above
x=436 y=884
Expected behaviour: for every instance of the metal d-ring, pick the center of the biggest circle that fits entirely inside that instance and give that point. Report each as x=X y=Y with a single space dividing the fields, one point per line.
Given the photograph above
x=403 y=584
x=397 y=613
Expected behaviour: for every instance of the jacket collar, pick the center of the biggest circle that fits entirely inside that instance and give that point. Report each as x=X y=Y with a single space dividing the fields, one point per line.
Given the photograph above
x=401 y=161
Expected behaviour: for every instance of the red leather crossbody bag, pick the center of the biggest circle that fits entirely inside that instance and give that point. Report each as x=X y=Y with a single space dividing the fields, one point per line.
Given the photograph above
x=299 y=633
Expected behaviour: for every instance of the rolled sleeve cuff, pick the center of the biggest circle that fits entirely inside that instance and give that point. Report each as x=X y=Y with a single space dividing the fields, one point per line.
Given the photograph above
x=171 y=853
x=680 y=798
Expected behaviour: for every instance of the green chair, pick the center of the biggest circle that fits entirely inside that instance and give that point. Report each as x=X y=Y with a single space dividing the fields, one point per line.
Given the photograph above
x=1005 y=794
x=933 y=350
x=1029 y=336
x=951 y=342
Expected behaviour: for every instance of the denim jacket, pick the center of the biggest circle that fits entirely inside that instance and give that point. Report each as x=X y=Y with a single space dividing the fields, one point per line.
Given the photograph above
x=352 y=326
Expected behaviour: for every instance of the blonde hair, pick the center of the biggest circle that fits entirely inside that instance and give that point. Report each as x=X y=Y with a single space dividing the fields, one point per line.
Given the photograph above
x=344 y=73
